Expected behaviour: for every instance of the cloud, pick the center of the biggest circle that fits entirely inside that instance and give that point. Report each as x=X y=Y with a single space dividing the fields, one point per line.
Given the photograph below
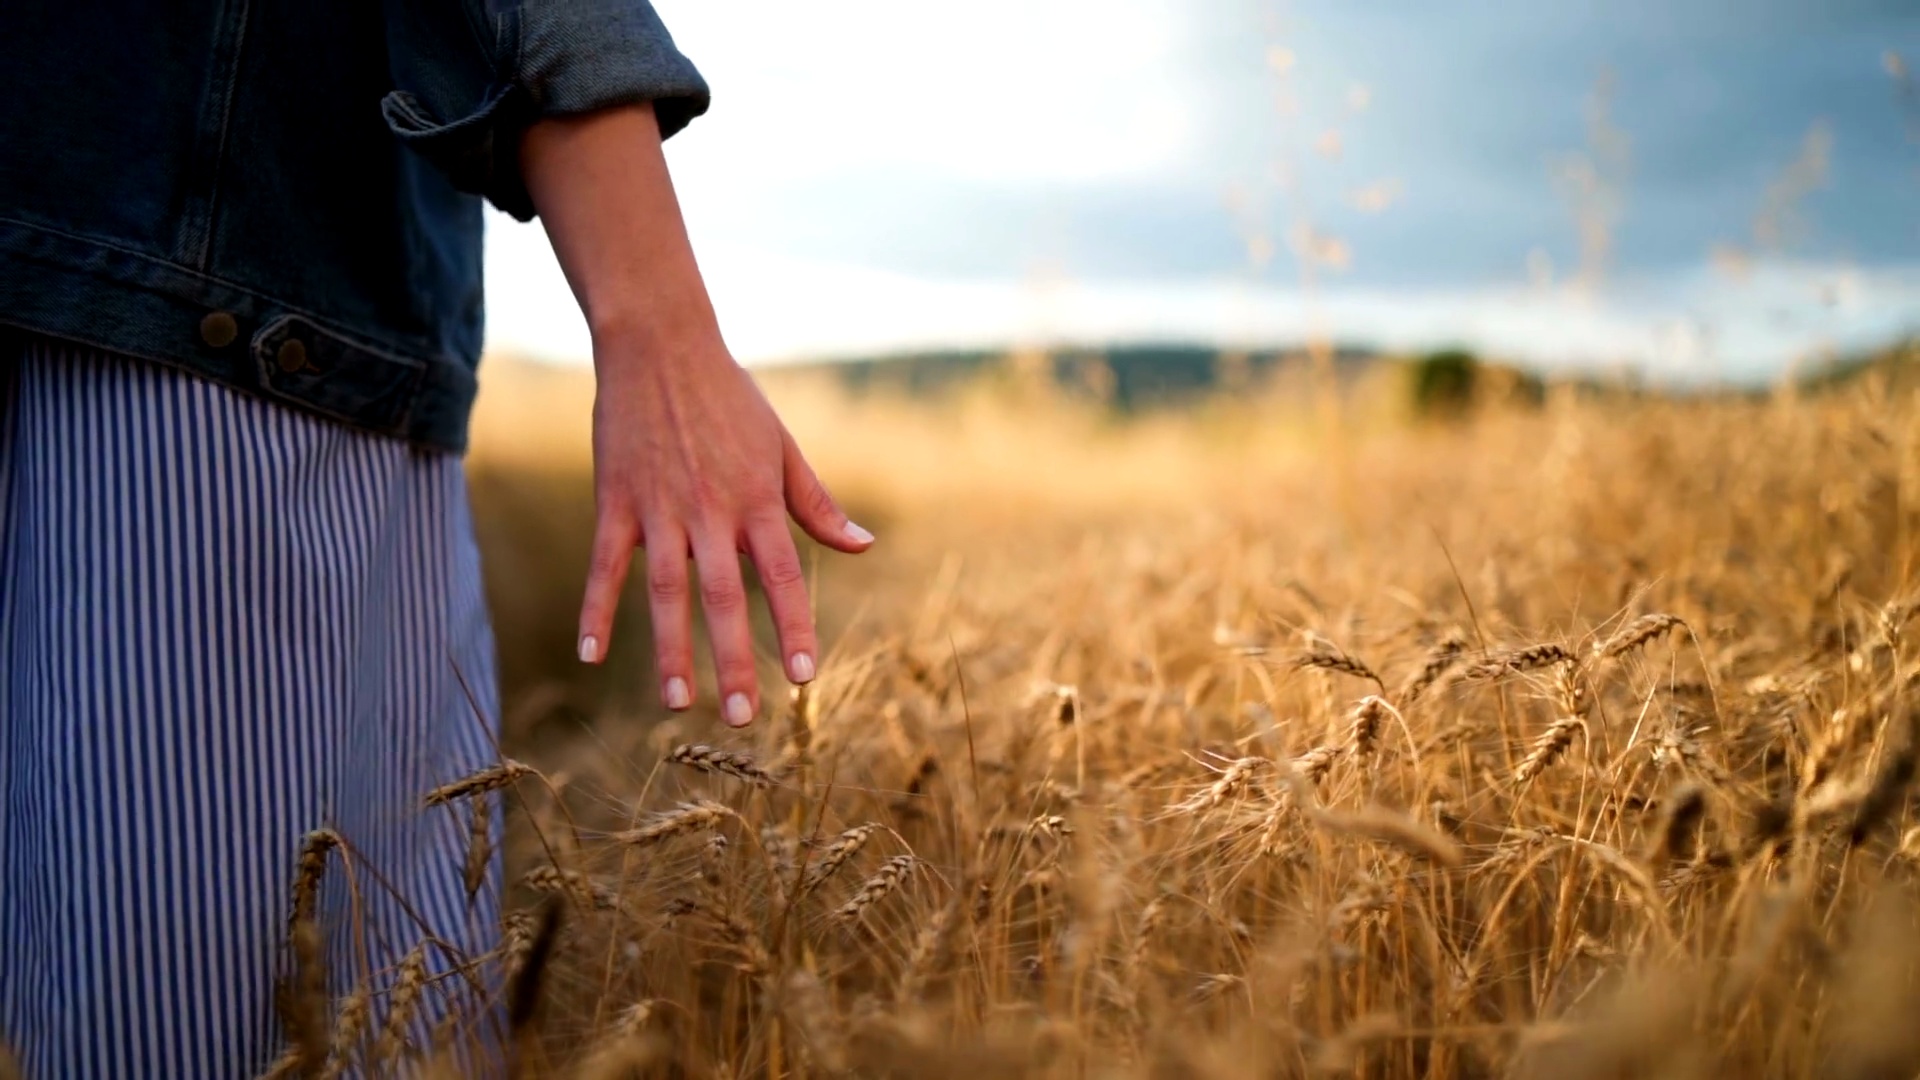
x=876 y=173
x=997 y=92
x=1689 y=326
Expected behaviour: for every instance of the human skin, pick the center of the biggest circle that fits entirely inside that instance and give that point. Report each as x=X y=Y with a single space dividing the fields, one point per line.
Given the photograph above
x=689 y=460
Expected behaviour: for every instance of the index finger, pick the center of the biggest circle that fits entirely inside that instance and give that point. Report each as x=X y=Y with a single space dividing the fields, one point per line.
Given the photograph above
x=770 y=546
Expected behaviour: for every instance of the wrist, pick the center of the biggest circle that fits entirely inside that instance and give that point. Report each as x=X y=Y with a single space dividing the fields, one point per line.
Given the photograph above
x=657 y=339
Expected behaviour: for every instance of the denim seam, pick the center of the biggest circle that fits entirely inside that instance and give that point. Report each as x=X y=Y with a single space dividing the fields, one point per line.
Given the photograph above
x=226 y=126
x=479 y=30
x=167 y=264
x=22 y=332
x=510 y=28
x=269 y=385
x=212 y=112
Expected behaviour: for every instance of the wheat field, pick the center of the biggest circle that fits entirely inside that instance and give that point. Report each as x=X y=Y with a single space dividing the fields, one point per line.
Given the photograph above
x=1280 y=736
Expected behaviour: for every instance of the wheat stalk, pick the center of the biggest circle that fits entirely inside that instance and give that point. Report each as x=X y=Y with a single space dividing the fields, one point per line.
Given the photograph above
x=1637 y=633
x=801 y=719
x=750 y=953
x=1231 y=781
x=1312 y=766
x=931 y=949
x=1680 y=814
x=1208 y=987
x=1153 y=916
x=713 y=760
x=685 y=818
x=1548 y=747
x=1393 y=828
x=285 y=1067
x=307 y=874
x=1271 y=823
x=303 y=1004
x=1438 y=661
x=401 y=1004
x=1516 y=661
x=891 y=875
x=479 y=847
x=1889 y=786
x=836 y=854
x=804 y=999
x=782 y=854
x=713 y=860
x=1326 y=656
x=573 y=884
x=1845 y=733
x=517 y=932
x=1364 y=730
x=1051 y=826
x=349 y=1028
x=492 y=778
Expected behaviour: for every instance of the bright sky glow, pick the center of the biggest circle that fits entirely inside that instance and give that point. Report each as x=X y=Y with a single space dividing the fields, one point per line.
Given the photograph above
x=880 y=175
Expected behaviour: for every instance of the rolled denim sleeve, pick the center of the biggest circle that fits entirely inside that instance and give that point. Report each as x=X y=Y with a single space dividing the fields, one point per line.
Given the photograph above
x=472 y=75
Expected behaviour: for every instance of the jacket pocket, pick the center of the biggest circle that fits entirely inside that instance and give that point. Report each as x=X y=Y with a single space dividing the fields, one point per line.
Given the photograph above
x=475 y=152
x=333 y=374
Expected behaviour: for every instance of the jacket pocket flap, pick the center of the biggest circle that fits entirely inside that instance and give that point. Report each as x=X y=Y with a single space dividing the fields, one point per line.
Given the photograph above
x=470 y=150
x=333 y=374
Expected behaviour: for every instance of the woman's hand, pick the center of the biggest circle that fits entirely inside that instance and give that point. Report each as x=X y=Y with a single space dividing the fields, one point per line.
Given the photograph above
x=689 y=459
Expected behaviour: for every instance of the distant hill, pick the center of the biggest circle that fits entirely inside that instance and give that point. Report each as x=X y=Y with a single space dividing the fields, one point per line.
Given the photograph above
x=1127 y=376
x=1149 y=374
x=1898 y=363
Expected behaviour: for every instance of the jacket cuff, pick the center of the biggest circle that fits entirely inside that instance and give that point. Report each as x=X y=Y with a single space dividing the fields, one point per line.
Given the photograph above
x=583 y=55
x=552 y=58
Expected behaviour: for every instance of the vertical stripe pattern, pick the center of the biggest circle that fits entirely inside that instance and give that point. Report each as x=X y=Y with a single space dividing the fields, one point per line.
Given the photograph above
x=222 y=625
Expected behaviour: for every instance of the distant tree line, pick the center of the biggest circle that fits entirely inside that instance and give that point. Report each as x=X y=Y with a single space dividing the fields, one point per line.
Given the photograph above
x=1441 y=385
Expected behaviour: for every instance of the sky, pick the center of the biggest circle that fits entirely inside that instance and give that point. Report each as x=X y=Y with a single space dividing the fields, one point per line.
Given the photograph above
x=1698 y=189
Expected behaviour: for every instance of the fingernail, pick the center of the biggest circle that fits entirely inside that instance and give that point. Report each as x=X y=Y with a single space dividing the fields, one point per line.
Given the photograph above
x=858 y=535
x=739 y=712
x=589 y=649
x=800 y=668
x=677 y=696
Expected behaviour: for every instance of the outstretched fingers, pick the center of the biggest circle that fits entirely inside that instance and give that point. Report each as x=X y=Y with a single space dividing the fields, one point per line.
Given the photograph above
x=778 y=562
x=669 y=602
x=614 y=538
x=723 y=595
x=814 y=507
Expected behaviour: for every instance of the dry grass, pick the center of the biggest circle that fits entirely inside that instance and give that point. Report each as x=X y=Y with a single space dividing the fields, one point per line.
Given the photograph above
x=1573 y=742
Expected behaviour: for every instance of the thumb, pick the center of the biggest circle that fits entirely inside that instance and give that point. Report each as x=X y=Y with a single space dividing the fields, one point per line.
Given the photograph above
x=814 y=508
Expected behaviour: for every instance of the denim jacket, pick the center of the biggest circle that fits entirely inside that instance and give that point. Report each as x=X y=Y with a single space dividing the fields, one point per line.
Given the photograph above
x=284 y=196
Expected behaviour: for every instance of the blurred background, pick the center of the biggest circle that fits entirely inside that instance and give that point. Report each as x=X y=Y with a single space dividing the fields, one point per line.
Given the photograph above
x=1697 y=189
x=1011 y=269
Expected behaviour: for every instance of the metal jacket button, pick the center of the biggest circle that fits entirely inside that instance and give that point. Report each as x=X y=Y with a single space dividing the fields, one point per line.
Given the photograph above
x=219 y=329
x=292 y=355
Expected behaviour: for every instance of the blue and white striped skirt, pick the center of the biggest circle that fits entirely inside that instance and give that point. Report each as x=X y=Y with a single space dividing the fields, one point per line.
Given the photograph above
x=223 y=624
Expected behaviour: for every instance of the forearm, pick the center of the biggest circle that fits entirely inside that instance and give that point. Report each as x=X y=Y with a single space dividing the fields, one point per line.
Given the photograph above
x=601 y=185
x=689 y=459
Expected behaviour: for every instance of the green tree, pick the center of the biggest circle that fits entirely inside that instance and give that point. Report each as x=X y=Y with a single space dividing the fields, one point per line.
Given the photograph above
x=1443 y=383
